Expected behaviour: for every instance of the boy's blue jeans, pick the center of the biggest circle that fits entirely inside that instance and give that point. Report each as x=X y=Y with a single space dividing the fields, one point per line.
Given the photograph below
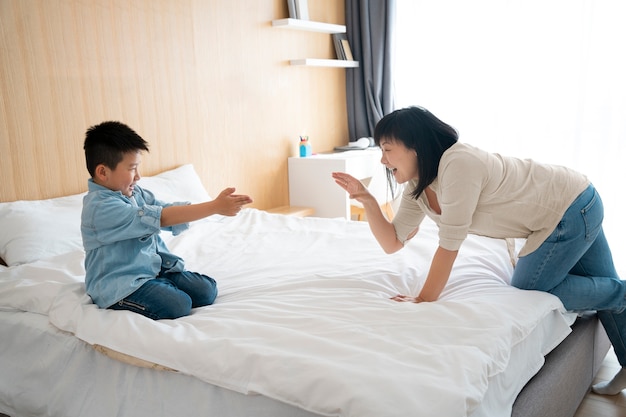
x=170 y=295
x=575 y=264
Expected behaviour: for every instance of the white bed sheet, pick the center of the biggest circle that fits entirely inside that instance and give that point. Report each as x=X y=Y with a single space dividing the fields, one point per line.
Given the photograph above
x=304 y=317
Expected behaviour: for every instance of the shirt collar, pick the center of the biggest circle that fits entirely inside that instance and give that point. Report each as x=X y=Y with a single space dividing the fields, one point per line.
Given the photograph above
x=93 y=186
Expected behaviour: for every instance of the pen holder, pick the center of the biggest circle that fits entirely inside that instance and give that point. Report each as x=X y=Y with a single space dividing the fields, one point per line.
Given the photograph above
x=305 y=147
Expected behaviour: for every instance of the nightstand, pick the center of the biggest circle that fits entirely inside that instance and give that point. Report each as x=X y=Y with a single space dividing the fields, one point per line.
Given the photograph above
x=311 y=183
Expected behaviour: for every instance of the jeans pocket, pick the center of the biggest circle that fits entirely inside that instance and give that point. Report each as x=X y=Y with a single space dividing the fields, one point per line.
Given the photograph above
x=593 y=214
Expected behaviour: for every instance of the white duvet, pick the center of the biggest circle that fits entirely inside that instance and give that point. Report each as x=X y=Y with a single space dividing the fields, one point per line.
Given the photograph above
x=304 y=317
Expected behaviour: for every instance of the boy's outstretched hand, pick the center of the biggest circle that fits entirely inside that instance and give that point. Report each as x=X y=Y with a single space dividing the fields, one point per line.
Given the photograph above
x=229 y=204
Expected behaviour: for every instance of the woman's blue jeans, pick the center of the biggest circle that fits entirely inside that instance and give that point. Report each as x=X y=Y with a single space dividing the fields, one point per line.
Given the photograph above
x=170 y=295
x=575 y=264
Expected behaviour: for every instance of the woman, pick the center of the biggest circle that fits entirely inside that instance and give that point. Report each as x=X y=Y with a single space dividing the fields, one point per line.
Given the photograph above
x=467 y=190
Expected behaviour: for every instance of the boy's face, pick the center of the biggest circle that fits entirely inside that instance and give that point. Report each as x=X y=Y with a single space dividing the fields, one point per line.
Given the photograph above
x=124 y=177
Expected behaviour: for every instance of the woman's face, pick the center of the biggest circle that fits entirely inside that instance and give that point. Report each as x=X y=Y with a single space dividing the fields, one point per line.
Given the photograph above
x=402 y=161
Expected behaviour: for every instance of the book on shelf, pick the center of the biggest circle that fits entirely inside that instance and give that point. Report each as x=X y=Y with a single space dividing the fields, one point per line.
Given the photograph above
x=293 y=12
x=342 y=47
x=338 y=45
x=346 y=49
x=302 y=9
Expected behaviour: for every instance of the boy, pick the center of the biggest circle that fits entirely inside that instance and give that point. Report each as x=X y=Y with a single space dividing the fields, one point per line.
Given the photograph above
x=128 y=266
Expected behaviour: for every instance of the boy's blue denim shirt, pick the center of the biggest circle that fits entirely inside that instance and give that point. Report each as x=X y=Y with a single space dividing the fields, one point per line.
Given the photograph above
x=123 y=248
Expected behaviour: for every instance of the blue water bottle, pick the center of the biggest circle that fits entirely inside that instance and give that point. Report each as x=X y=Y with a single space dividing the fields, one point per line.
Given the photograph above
x=305 y=147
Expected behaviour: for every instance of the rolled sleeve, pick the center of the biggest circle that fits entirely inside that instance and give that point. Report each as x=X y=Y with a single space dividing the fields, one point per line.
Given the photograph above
x=150 y=216
x=113 y=220
x=451 y=237
x=409 y=216
x=177 y=228
x=461 y=178
x=150 y=200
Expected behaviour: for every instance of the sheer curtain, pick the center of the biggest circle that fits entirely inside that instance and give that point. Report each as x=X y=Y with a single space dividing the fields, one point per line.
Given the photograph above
x=530 y=78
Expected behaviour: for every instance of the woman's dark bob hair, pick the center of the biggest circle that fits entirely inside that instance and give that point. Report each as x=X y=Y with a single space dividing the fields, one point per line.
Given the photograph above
x=418 y=129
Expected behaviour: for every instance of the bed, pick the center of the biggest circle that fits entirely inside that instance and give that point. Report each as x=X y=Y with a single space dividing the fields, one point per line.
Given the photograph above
x=303 y=325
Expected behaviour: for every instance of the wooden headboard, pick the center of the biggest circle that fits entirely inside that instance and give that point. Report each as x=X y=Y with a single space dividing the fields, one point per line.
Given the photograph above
x=204 y=82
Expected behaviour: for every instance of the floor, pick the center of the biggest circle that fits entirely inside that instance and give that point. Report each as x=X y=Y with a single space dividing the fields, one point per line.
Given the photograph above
x=604 y=405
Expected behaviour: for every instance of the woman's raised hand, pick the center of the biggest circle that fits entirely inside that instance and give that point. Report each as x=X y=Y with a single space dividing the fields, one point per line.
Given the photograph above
x=353 y=187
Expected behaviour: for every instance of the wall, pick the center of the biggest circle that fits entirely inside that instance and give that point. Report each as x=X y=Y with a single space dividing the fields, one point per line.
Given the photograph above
x=203 y=81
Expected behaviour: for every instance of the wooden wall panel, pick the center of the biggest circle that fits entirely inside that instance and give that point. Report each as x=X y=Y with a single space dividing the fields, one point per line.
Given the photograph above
x=203 y=81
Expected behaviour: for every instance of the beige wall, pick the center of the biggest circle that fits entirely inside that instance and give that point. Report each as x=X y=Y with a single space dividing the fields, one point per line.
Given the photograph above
x=203 y=81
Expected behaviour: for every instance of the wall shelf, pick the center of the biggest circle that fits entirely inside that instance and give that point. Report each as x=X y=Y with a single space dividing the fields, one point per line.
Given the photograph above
x=308 y=25
x=314 y=62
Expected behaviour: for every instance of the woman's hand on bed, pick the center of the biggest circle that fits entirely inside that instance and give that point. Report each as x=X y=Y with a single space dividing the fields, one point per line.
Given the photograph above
x=229 y=204
x=407 y=298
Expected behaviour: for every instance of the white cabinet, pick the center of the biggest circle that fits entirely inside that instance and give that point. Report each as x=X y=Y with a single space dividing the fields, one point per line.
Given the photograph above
x=311 y=183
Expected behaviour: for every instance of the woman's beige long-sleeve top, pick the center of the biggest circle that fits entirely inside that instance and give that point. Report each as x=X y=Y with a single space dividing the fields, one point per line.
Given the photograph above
x=491 y=195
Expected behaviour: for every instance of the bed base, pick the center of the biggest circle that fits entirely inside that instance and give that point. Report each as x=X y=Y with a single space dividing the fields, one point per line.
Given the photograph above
x=560 y=386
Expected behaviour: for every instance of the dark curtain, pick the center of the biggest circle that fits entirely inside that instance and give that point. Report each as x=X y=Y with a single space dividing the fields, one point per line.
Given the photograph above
x=369 y=88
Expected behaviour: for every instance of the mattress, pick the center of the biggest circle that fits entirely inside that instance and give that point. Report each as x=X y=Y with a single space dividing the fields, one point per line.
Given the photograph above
x=303 y=325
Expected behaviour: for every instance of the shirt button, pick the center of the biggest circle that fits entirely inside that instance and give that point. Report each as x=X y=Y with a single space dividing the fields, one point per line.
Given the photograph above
x=141 y=212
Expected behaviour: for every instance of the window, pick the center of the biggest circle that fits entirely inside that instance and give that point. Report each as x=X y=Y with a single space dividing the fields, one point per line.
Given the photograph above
x=528 y=78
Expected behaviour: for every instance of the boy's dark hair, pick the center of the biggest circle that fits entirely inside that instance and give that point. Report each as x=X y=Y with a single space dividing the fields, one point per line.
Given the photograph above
x=107 y=142
x=418 y=129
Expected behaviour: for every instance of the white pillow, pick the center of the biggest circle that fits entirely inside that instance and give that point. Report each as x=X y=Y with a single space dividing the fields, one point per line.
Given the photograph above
x=33 y=230
x=179 y=184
